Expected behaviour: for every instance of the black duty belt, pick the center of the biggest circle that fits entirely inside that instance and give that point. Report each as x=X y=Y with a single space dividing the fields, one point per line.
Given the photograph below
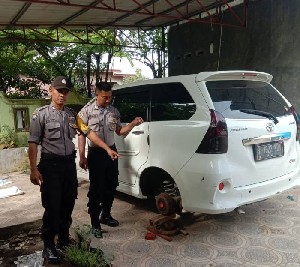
x=47 y=156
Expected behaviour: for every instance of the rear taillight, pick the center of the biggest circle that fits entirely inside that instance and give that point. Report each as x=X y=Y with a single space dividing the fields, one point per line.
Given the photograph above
x=297 y=119
x=215 y=140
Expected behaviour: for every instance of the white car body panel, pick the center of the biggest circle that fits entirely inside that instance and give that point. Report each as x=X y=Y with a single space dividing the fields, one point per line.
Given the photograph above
x=171 y=146
x=133 y=150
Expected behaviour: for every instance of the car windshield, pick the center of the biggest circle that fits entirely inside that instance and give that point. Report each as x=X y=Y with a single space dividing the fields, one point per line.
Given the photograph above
x=246 y=99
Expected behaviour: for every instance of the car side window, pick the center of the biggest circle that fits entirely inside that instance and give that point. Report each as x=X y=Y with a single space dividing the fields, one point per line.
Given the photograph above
x=171 y=101
x=132 y=104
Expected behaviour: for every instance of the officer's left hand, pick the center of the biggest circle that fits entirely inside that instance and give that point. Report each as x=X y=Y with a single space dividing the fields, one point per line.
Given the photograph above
x=36 y=177
x=137 y=121
x=83 y=163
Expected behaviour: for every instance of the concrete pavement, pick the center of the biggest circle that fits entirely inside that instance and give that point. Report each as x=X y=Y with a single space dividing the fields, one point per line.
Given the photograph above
x=266 y=235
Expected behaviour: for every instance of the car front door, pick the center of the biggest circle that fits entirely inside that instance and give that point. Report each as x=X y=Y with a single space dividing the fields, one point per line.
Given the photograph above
x=134 y=146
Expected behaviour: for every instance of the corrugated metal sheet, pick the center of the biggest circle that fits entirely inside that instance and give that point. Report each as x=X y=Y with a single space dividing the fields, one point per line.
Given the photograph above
x=77 y=14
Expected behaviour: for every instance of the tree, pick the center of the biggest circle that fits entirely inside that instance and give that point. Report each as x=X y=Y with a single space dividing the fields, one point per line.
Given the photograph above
x=42 y=61
x=138 y=77
x=150 y=50
x=12 y=59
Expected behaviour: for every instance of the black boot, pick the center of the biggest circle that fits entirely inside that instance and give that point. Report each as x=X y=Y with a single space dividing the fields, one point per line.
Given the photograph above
x=50 y=254
x=107 y=219
x=97 y=232
x=96 y=227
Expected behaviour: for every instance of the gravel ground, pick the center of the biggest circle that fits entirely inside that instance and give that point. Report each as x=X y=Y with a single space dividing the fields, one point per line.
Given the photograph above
x=24 y=250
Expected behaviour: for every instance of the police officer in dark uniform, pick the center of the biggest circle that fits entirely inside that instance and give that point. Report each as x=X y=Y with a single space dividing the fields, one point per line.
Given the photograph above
x=104 y=120
x=53 y=127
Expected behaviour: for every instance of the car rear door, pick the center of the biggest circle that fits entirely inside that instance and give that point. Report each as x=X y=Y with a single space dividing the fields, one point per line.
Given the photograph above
x=262 y=130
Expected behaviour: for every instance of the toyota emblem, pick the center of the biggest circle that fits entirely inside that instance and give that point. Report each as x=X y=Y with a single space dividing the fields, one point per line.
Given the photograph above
x=270 y=127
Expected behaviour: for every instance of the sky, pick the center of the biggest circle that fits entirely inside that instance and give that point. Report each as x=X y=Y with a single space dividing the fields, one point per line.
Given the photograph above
x=146 y=71
x=124 y=65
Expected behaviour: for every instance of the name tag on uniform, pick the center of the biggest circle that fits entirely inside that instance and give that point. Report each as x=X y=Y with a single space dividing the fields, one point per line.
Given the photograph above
x=51 y=120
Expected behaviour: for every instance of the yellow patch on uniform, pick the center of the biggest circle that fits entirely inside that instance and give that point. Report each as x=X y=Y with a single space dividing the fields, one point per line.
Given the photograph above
x=81 y=125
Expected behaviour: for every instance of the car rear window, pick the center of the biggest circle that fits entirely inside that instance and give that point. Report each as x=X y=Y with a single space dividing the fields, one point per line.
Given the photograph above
x=239 y=99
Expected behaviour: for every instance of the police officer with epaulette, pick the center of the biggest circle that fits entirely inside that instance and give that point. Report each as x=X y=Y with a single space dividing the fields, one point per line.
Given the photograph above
x=53 y=127
x=104 y=120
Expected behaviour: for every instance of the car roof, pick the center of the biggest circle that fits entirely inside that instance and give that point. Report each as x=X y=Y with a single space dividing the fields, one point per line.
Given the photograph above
x=205 y=76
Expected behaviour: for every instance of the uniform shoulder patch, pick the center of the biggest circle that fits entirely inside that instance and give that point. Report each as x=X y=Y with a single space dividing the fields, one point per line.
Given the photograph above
x=35 y=114
x=81 y=114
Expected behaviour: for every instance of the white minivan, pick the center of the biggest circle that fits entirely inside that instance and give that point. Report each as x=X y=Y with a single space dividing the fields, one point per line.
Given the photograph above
x=211 y=142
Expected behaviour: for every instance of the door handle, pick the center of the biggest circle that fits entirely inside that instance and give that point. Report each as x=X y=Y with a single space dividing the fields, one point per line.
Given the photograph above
x=138 y=132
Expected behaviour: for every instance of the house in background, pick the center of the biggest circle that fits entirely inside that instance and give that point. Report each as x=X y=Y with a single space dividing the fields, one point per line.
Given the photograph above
x=16 y=113
x=119 y=69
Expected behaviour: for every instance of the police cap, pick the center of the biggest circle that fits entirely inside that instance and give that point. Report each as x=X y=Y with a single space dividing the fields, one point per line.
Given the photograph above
x=61 y=82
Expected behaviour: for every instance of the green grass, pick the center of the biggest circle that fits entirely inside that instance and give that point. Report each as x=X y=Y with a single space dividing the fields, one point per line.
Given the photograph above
x=80 y=254
x=85 y=258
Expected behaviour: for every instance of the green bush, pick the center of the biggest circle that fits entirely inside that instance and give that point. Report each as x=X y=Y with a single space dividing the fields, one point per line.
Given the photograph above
x=7 y=136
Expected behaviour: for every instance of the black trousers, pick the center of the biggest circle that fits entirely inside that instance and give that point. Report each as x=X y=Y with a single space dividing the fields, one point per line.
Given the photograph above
x=103 y=176
x=58 y=193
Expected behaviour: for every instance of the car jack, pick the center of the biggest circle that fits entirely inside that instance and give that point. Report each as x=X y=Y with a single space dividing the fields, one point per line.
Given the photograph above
x=164 y=227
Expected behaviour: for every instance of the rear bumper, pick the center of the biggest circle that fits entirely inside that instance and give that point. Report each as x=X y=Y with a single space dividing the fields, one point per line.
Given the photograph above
x=200 y=192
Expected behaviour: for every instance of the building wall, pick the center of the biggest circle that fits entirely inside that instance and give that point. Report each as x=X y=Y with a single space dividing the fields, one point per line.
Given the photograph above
x=7 y=117
x=13 y=159
x=269 y=42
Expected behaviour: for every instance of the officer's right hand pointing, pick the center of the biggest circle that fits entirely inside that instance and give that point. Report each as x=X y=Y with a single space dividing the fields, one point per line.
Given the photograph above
x=113 y=154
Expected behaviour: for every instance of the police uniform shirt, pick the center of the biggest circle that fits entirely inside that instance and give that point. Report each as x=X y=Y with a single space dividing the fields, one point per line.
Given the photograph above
x=53 y=130
x=103 y=121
